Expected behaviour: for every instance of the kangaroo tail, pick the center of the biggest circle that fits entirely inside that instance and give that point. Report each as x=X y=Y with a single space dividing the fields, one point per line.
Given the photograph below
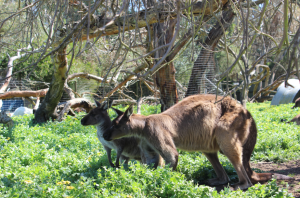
x=247 y=151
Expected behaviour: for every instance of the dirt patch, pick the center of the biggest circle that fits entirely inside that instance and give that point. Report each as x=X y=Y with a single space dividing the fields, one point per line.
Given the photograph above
x=291 y=168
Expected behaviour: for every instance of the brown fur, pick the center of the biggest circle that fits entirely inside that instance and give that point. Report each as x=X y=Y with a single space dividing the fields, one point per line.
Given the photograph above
x=296 y=119
x=297 y=103
x=197 y=123
x=127 y=148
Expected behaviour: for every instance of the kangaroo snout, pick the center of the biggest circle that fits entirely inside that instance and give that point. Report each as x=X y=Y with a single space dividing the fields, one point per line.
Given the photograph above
x=83 y=122
x=107 y=136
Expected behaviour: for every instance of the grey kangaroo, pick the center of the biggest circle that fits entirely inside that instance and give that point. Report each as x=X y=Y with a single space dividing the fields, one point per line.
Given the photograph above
x=198 y=123
x=127 y=148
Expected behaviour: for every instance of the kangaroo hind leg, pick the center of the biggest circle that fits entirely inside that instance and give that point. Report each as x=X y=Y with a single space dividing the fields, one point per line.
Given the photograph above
x=222 y=177
x=232 y=149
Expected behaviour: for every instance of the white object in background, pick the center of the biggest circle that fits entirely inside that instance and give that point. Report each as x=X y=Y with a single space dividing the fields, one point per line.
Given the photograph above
x=22 y=111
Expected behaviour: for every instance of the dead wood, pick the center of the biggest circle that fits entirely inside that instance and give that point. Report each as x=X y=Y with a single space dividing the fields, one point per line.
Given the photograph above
x=74 y=103
x=134 y=102
x=139 y=105
x=6 y=120
x=37 y=104
x=18 y=94
x=102 y=26
x=87 y=76
x=128 y=78
x=268 y=89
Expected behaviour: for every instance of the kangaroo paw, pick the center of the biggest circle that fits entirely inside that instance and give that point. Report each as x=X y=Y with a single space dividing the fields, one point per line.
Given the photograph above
x=216 y=181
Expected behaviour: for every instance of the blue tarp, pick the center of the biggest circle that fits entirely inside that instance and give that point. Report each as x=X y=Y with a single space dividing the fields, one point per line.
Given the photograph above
x=11 y=105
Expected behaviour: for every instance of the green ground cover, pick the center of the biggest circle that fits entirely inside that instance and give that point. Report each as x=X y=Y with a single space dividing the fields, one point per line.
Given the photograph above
x=66 y=160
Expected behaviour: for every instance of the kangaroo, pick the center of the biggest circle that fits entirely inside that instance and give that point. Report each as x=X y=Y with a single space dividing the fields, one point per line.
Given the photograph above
x=127 y=148
x=198 y=123
x=295 y=119
x=297 y=103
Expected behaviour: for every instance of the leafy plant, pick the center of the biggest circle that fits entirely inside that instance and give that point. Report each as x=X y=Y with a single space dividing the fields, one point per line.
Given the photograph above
x=65 y=159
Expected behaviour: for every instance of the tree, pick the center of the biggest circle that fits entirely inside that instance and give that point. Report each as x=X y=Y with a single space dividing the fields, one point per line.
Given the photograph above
x=205 y=57
x=95 y=26
x=144 y=36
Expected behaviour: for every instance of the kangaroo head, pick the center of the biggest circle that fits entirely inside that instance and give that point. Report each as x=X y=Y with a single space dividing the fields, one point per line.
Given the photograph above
x=97 y=115
x=120 y=125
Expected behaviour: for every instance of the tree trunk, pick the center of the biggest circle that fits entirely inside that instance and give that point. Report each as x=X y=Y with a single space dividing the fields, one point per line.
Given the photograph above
x=6 y=120
x=165 y=77
x=8 y=73
x=205 y=58
x=53 y=96
x=165 y=80
x=245 y=92
x=198 y=75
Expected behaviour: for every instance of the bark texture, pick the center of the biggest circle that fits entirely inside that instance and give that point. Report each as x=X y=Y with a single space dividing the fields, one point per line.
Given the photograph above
x=6 y=120
x=53 y=96
x=165 y=77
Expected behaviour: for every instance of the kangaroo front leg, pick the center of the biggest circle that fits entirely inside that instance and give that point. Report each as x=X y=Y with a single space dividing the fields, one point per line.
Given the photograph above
x=148 y=155
x=222 y=177
x=108 y=152
x=170 y=154
x=163 y=144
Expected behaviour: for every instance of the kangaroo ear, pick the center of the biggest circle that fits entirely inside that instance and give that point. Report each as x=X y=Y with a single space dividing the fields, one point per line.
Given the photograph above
x=97 y=103
x=129 y=111
x=118 y=111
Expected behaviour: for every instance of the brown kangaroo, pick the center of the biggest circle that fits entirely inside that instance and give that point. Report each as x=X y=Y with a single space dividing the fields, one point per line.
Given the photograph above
x=198 y=123
x=295 y=119
x=297 y=103
x=127 y=148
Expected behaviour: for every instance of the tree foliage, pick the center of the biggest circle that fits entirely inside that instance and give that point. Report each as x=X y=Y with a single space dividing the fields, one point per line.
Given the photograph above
x=118 y=40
